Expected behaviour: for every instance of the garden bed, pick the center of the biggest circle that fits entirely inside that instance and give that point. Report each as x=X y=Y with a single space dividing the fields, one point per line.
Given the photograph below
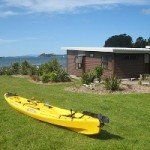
x=127 y=87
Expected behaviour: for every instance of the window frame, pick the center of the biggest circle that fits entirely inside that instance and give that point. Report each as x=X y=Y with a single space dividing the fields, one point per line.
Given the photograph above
x=78 y=65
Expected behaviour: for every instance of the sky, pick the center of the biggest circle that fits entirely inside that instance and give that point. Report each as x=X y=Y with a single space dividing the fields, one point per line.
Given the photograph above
x=44 y=26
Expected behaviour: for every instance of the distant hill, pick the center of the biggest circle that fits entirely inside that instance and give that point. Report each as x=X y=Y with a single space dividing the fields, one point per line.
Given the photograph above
x=46 y=55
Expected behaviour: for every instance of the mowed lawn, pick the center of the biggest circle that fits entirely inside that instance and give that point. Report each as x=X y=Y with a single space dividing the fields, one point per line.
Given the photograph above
x=129 y=126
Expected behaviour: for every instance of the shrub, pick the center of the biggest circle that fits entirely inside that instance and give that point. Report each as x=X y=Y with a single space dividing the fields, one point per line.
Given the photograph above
x=63 y=76
x=112 y=83
x=32 y=70
x=15 y=68
x=59 y=76
x=146 y=77
x=99 y=72
x=53 y=71
x=53 y=77
x=54 y=65
x=8 y=71
x=43 y=69
x=2 y=71
x=88 y=78
x=49 y=67
x=25 y=66
x=45 y=78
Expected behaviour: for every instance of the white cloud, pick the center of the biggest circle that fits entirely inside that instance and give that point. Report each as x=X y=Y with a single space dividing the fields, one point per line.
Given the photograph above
x=4 y=41
x=10 y=41
x=29 y=38
x=61 y=6
x=7 y=13
x=146 y=11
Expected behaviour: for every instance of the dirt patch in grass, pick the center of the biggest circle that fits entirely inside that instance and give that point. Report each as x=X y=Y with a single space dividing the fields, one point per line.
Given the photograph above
x=127 y=87
x=30 y=79
x=20 y=76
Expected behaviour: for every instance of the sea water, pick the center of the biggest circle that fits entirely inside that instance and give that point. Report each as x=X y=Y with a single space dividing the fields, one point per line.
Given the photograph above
x=7 y=61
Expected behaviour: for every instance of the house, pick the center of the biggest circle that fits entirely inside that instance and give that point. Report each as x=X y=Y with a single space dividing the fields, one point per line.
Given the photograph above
x=120 y=62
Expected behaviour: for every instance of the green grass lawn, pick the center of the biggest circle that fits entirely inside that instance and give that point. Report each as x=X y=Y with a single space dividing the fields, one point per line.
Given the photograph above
x=129 y=126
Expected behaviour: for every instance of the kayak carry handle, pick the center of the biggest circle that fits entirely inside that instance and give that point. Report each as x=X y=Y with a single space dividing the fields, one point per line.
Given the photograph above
x=9 y=94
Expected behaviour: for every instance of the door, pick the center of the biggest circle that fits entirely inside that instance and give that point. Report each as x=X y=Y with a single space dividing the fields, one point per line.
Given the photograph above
x=147 y=63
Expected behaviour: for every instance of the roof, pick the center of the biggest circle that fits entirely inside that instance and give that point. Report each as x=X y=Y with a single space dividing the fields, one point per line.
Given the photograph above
x=109 y=49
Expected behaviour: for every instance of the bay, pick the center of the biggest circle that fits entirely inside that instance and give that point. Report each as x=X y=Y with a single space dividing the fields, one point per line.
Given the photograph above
x=7 y=61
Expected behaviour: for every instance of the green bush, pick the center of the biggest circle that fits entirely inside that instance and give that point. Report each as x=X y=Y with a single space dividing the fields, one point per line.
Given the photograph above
x=45 y=78
x=6 y=71
x=146 y=77
x=25 y=67
x=43 y=69
x=49 y=67
x=32 y=70
x=15 y=68
x=59 y=76
x=53 y=77
x=112 y=83
x=2 y=71
x=99 y=72
x=63 y=76
x=54 y=65
x=88 y=78
x=53 y=71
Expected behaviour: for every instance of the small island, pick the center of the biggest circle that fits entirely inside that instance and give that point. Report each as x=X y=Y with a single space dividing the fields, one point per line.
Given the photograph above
x=46 y=55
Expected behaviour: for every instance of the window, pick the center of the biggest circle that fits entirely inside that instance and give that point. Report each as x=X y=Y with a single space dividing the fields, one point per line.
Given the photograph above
x=79 y=62
x=91 y=55
x=105 y=62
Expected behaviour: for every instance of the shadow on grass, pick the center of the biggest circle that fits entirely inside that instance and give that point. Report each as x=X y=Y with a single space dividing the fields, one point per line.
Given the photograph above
x=104 y=135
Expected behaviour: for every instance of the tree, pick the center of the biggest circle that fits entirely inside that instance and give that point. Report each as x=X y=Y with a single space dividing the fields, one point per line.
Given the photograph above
x=15 y=68
x=140 y=42
x=25 y=66
x=122 y=40
x=148 y=42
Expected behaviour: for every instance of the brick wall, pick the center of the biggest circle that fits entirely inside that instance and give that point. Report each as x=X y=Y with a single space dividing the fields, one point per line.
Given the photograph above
x=125 y=68
x=71 y=65
x=89 y=63
x=118 y=64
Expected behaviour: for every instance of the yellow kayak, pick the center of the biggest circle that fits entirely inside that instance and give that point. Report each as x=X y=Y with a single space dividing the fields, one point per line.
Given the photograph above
x=85 y=123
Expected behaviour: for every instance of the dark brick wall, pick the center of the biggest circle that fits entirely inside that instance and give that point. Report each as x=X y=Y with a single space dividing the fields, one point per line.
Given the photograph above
x=129 y=68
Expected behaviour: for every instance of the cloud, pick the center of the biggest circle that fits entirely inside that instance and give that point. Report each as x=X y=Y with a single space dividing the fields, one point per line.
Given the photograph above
x=30 y=38
x=8 y=41
x=4 y=41
x=146 y=11
x=61 y=6
x=7 y=13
